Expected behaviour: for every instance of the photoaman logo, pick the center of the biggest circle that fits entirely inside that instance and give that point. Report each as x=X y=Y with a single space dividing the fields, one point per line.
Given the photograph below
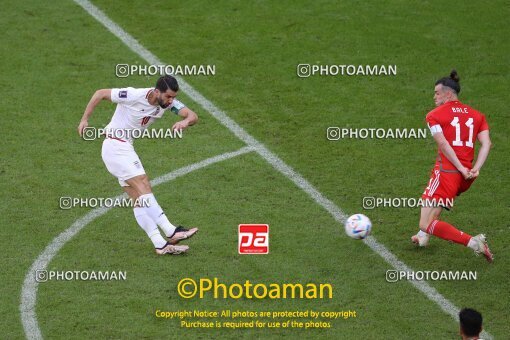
x=253 y=239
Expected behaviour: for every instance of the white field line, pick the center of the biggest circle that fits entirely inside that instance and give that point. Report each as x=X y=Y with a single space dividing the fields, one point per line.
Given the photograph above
x=29 y=290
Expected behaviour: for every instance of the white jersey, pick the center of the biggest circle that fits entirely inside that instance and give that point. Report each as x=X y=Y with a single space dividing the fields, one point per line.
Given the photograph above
x=134 y=112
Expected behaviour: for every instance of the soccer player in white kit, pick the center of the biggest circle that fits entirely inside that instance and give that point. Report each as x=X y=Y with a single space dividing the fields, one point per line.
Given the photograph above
x=136 y=110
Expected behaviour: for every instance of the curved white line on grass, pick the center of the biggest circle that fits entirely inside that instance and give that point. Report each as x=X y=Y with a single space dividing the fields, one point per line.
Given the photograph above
x=265 y=153
x=30 y=285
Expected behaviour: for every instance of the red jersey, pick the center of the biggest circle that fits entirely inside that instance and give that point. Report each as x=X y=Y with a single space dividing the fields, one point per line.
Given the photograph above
x=460 y=125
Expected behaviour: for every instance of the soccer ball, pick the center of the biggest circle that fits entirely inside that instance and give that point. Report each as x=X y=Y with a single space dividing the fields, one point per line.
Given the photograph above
x=358 y=226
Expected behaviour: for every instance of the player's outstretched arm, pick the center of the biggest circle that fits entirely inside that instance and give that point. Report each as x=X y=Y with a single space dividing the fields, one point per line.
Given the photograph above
x=447 y=150
x=104 y=94
x=485 y=140
x=189 y=118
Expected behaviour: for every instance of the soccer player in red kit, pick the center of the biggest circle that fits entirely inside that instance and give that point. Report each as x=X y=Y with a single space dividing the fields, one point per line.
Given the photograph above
x=454 y=126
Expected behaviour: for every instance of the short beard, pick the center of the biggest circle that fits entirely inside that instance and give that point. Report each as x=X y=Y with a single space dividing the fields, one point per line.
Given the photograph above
x=162 y=104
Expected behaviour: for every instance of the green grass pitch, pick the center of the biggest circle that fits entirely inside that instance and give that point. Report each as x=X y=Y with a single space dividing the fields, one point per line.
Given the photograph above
x=55 y=55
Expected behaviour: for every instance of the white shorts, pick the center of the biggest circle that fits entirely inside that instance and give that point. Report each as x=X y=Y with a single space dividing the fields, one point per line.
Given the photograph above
x=121 y=160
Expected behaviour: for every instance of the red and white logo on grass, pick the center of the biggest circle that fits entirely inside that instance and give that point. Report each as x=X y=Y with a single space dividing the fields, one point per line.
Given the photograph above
x=253 y=238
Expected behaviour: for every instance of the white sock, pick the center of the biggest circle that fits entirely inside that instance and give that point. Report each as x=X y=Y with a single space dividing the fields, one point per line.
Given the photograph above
x=472 y=244
x=152 y=208
x=148 y=225
x=421 y=233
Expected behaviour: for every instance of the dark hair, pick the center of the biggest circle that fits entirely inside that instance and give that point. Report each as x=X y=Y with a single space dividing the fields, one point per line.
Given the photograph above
x=167 y=82
x=452 y=81
x=470 y=322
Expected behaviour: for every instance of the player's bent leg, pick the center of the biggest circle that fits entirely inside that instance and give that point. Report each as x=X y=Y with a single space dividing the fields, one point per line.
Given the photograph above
x=427 y=215
x=429 y=220
x=161 y=246
x=154 y=211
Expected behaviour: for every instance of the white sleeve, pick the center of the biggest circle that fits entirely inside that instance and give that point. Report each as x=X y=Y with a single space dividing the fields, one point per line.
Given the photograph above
x=124 y=95
x=435 y=129
x=176 y=106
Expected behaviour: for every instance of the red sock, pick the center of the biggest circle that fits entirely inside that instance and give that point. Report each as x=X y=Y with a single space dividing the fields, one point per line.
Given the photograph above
x=448 y=232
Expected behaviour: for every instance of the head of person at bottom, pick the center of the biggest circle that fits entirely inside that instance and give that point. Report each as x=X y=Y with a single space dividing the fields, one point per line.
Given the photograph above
x=470 y=323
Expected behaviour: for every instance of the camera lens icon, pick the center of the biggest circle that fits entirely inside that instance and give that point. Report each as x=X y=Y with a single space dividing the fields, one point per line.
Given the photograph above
x=333 y=133
x=391 y=276
x=304 y=70
x=41 y=275
x=89 y=133
x=66 y=203
x=368 y=203
x=122 y=70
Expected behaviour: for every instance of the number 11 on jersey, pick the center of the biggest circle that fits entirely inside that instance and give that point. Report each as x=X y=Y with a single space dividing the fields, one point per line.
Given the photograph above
x=469 y=124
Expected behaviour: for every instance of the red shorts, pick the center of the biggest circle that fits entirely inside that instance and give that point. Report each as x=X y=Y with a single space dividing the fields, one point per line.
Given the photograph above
x=444 y=186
